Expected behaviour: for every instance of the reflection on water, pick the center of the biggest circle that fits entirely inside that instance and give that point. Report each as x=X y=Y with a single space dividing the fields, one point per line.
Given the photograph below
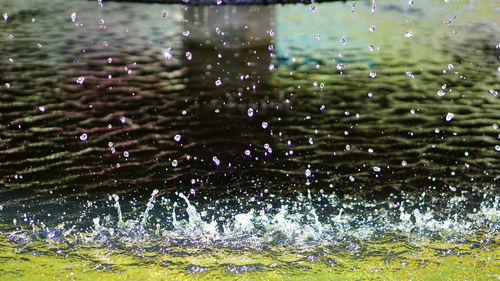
x=326 y=133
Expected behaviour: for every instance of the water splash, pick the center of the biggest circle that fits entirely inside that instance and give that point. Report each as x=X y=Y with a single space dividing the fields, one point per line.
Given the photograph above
x=312 y=219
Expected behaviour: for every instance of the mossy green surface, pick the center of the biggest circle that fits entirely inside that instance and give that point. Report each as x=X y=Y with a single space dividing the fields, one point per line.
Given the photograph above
x=382 y=260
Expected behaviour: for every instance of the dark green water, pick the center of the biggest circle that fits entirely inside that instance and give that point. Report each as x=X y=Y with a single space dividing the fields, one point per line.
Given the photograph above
x=308 y=143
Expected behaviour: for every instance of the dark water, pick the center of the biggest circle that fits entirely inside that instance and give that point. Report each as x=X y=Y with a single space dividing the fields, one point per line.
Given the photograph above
x=124 y=99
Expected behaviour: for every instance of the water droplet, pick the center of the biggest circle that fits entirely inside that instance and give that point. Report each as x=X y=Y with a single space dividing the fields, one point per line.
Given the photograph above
x=409 y=34
x=250 y=112
x=450 y=66
x=218 y=82
x=340 y=66
x=351 y=178
x=376 y=169
x=216 y=160
x=271 y=67
x=164 y=13
x=371 y=48
x=80 y=80
x=123 y=119
x=110 y=60
x=219 y=2
x=247 y=152
x=308 y=173
x=441 y=93
x=311 y=142
x=177 y=138
x=83 y=137
x=167 y=54
x=450 y=116
x=372 y=28
x=189 y=56
x=174 y=163
x=373 y=74
x=318 y=36
x=343 y=40
x=404 y=163
x=370 y=150
x=126 y=154
x=370 y=95
x=264 y=125
x=497 y=148
x=73 y=17
x=5 y=16
x=11 y=36
x=186 y=33
x=41 y=108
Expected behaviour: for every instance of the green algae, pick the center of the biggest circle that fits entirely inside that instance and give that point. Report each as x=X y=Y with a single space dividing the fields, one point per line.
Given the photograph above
x=388 y=259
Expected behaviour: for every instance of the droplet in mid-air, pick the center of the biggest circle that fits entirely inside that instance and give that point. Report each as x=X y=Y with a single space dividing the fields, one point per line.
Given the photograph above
x=189 y=56
x=264 y=125
x=80 y=80
x=376 y=169
x=409 y=34
x=373 y=74
x=164 y=13
x=174 y=163
x=167 y=54
x=308 y=173
x=126 y=154
x=83 y=137
x=250 y=112
x=73 y=17
x=372 y=28
x=218 y=82
x=216 y=160
x=450 y=116
x=177 y=138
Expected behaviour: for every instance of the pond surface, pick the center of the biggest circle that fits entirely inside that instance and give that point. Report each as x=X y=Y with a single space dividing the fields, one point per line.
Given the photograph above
x=327 y=141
